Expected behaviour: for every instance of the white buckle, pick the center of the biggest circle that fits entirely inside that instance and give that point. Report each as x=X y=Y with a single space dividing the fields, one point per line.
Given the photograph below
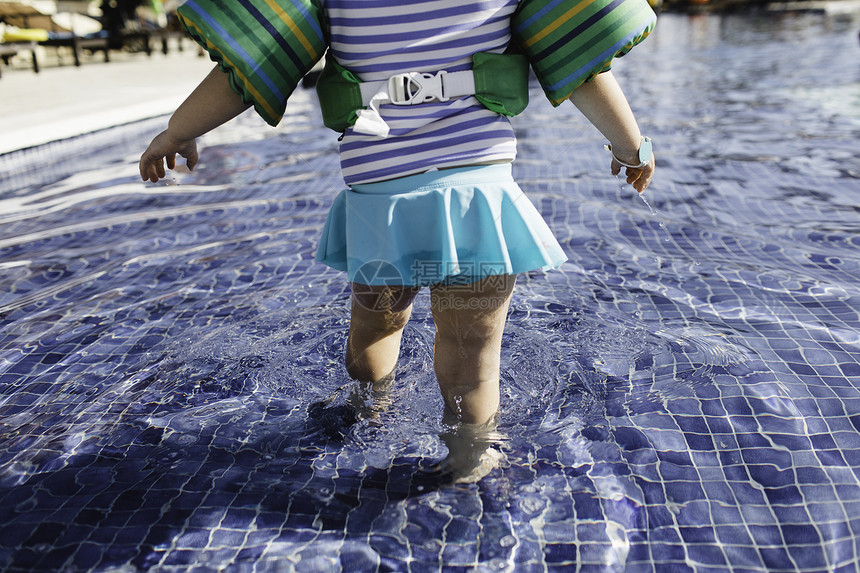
x=411 y=88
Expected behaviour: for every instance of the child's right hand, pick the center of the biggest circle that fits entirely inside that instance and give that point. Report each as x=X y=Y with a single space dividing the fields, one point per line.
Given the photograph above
x=165 y=147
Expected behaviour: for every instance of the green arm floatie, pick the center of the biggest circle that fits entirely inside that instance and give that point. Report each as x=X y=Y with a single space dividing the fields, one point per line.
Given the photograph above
x=266 y=46
x=568 y=42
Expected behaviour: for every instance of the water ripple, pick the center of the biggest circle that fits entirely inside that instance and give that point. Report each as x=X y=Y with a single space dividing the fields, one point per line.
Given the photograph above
x=682 y=391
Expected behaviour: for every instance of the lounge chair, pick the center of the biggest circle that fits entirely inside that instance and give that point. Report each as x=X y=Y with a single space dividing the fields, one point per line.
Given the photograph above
x=32 y=28
x=8 y=50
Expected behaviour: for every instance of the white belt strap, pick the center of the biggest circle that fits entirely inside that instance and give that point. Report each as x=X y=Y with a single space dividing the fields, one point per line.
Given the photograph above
x=408 y=88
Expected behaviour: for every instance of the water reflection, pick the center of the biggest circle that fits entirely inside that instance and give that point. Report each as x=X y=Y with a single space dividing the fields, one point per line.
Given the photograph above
x=682 y=392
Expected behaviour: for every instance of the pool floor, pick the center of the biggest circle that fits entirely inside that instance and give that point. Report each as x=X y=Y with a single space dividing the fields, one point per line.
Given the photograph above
x=682 y=395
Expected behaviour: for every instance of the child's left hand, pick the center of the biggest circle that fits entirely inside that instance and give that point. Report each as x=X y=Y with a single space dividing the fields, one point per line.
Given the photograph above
x=638 y=178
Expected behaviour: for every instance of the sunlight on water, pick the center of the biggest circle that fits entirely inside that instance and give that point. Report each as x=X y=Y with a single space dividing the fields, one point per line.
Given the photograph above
x=681 y=393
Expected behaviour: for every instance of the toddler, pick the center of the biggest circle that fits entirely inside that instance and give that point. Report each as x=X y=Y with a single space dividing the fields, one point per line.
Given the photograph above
x=422 y=91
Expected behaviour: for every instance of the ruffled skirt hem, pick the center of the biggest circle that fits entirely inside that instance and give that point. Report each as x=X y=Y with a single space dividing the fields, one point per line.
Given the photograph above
x=451 y=226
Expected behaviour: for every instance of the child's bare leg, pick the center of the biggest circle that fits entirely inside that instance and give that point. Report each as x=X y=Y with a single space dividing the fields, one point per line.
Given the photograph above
x=470 y=320
x=379 y=314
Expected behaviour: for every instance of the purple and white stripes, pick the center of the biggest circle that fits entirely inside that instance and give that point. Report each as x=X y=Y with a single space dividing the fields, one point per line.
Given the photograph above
x=376 y=39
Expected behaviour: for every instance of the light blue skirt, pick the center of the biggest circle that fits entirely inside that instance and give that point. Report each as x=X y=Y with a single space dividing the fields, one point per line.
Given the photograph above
x=453 y=226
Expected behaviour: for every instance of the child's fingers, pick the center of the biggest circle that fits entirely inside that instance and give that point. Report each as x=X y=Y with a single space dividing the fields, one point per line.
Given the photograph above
x=161 y=152
x=633 y=175
x=191 y=158
x=151 y=165
x=641 y=184
x=147 y=170
x=144 y=165
x=640 y=179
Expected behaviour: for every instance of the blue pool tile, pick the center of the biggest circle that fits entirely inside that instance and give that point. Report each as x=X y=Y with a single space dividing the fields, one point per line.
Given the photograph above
x=267 y=519
x=91 y=517
x=733 y=535
x=665 y=553
x=292 y=535
x=784 y=495
x=848 y=492
x=55 y=559
x=388 y=545
x=194 y=539
x=239 y=518
x=462 y=555
x=770 y=476
x=560 y=553
x=681 y=491
x=301 y=521
x=701 y=442
x=88 y=555
x=707 y=555
x=179 y=558
x=808 y=556
x=587 y=507
x=776 y=558
x=461 y=530
x=459 y=568
x=43 y=535
x=850 y=369
x=227 y=538
x=216 y=498
x=358 y=560
x=693 y=535
x=639 y=553
x=250 y=553
x=726 y=385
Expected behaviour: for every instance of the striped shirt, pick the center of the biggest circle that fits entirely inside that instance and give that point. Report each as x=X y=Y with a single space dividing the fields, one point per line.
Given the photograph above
x=376 y=39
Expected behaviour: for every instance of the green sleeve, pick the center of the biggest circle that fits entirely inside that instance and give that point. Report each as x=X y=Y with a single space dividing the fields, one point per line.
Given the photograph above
x=568 y=42
x=266 y=46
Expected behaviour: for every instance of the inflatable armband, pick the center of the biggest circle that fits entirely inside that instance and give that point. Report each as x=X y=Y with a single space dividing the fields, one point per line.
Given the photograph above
x=568 y=42
x=266 y=46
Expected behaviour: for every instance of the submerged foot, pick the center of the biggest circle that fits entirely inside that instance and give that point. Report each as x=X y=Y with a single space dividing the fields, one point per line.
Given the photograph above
x=365 y=401
x=370 y=399
x=471 y=470
x=472 y=452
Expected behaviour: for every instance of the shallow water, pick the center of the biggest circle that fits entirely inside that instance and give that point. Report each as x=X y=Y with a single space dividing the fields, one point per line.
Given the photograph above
x=682 y=395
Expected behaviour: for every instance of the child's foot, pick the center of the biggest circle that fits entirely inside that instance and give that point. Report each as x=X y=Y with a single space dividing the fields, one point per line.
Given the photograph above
x=472 y=470
x=370 y=399
x=471 y=455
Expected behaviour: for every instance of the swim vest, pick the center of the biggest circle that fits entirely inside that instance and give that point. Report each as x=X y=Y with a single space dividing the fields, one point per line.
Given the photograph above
x=500 y=82
x=267 y=46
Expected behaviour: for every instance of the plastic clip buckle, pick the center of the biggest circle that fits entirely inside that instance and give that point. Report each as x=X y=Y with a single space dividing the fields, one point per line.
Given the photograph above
x=411 y=88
